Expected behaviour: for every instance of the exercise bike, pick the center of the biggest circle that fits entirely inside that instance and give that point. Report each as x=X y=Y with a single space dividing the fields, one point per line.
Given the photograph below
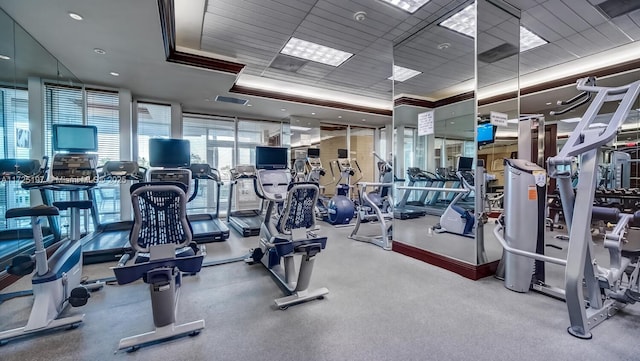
x=57 y=279
x=292 y=234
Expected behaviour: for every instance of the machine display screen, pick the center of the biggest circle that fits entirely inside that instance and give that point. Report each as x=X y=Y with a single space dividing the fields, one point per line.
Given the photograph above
x=465 y=163
x=75 y=138
x=343 y=153
x=272 y=157
x=486 y=134
x=169 y=153
x=313 y=152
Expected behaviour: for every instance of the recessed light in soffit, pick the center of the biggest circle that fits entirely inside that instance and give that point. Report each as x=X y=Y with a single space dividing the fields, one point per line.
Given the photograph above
x=464 y=22
x=410 y=6
x=315 y=52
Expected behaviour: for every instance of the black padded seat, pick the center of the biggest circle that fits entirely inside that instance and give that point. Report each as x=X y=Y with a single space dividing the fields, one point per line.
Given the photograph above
x=64 y=205
x=37 y=211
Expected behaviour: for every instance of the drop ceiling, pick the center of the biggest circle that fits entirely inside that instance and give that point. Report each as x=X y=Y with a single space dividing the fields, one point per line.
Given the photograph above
x=254 y=31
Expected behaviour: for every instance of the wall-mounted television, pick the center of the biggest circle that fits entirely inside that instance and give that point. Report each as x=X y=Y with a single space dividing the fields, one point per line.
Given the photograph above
x=486 y=134
x=272 y=157
x=75 y=138
x=169 y=153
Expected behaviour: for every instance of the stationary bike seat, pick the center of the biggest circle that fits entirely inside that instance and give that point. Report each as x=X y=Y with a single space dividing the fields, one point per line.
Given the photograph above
x=36 y=211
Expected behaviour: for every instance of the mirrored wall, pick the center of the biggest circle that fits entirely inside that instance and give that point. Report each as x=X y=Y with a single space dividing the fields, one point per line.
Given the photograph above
x=25 y=69
x=463 y=49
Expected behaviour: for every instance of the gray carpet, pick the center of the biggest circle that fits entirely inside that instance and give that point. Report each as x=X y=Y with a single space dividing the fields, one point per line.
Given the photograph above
x=381 y=306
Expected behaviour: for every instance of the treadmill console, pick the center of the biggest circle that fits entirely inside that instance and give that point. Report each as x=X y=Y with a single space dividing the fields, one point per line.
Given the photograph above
x=243 y=171
x=171 y=175
x=78 y=166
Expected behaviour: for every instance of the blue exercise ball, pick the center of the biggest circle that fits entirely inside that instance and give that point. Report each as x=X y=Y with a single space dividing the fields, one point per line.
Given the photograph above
x=340 y=210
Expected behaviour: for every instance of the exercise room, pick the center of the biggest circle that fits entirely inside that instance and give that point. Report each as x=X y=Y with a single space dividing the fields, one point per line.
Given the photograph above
x=319 y=180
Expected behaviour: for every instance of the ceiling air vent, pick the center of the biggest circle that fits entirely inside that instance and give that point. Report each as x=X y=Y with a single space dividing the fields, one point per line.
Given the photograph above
x=231 y=100
x=287 y=63
x=498 y=53
x=615 y=8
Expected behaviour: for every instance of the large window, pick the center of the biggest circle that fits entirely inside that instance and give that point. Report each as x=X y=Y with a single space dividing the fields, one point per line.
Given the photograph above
x=103 y=112
x=154 y=121
x=253 y=133
x=14 y=119
x=66 y=105
x=212 y=142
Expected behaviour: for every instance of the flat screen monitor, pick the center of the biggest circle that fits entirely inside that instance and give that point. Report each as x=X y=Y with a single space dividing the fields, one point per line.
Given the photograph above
x=465 y=163
x=486 y=134
x=313 y=152
x=169 y=153
x=343 y=153
x=272 y=158
x=75 y=138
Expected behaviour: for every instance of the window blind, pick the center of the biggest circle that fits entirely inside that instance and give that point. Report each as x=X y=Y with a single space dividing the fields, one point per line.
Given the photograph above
x=103 y=112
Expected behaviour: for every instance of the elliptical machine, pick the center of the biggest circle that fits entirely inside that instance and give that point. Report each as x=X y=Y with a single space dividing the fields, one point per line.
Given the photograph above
x=292 y=234
x=456 y=219
x=341 y=209
x=376 y=206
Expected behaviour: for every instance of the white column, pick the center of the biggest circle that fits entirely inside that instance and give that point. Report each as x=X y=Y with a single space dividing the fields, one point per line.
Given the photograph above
x=126 y=147
x=37 y=126
x=176 y=120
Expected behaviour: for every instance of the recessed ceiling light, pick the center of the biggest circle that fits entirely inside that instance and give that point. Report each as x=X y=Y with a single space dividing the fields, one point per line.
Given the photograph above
x=4 y=57
x=548 y=103
x=283 y=109
x=99 y=51
x=401 y=74
x=364 y=120
x=249 y=105
x=464 y=22
x=339 y=116
x=410 y=6
x=453 y=122
x=114 y=73
x=315 y=52
x=313 y=113
x=75 y=16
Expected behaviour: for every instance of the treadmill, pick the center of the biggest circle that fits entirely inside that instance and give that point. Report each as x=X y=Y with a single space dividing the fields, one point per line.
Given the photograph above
x=246 y=216
x=206 y=226
x=110 y=241
x=407 y=209
x=20 y=240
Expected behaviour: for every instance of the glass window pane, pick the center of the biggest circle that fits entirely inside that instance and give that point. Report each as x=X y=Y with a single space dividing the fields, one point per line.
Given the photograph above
x=154 y=121
x=212 y=142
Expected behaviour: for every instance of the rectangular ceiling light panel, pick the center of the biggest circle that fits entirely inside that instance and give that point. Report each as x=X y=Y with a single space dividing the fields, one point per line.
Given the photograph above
x=315 y=52
x=529 y=40
x=464 y=22
x=410 y=6
x=401 y=74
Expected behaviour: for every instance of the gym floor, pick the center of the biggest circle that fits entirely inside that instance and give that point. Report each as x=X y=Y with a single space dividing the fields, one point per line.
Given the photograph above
x=381 y=306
